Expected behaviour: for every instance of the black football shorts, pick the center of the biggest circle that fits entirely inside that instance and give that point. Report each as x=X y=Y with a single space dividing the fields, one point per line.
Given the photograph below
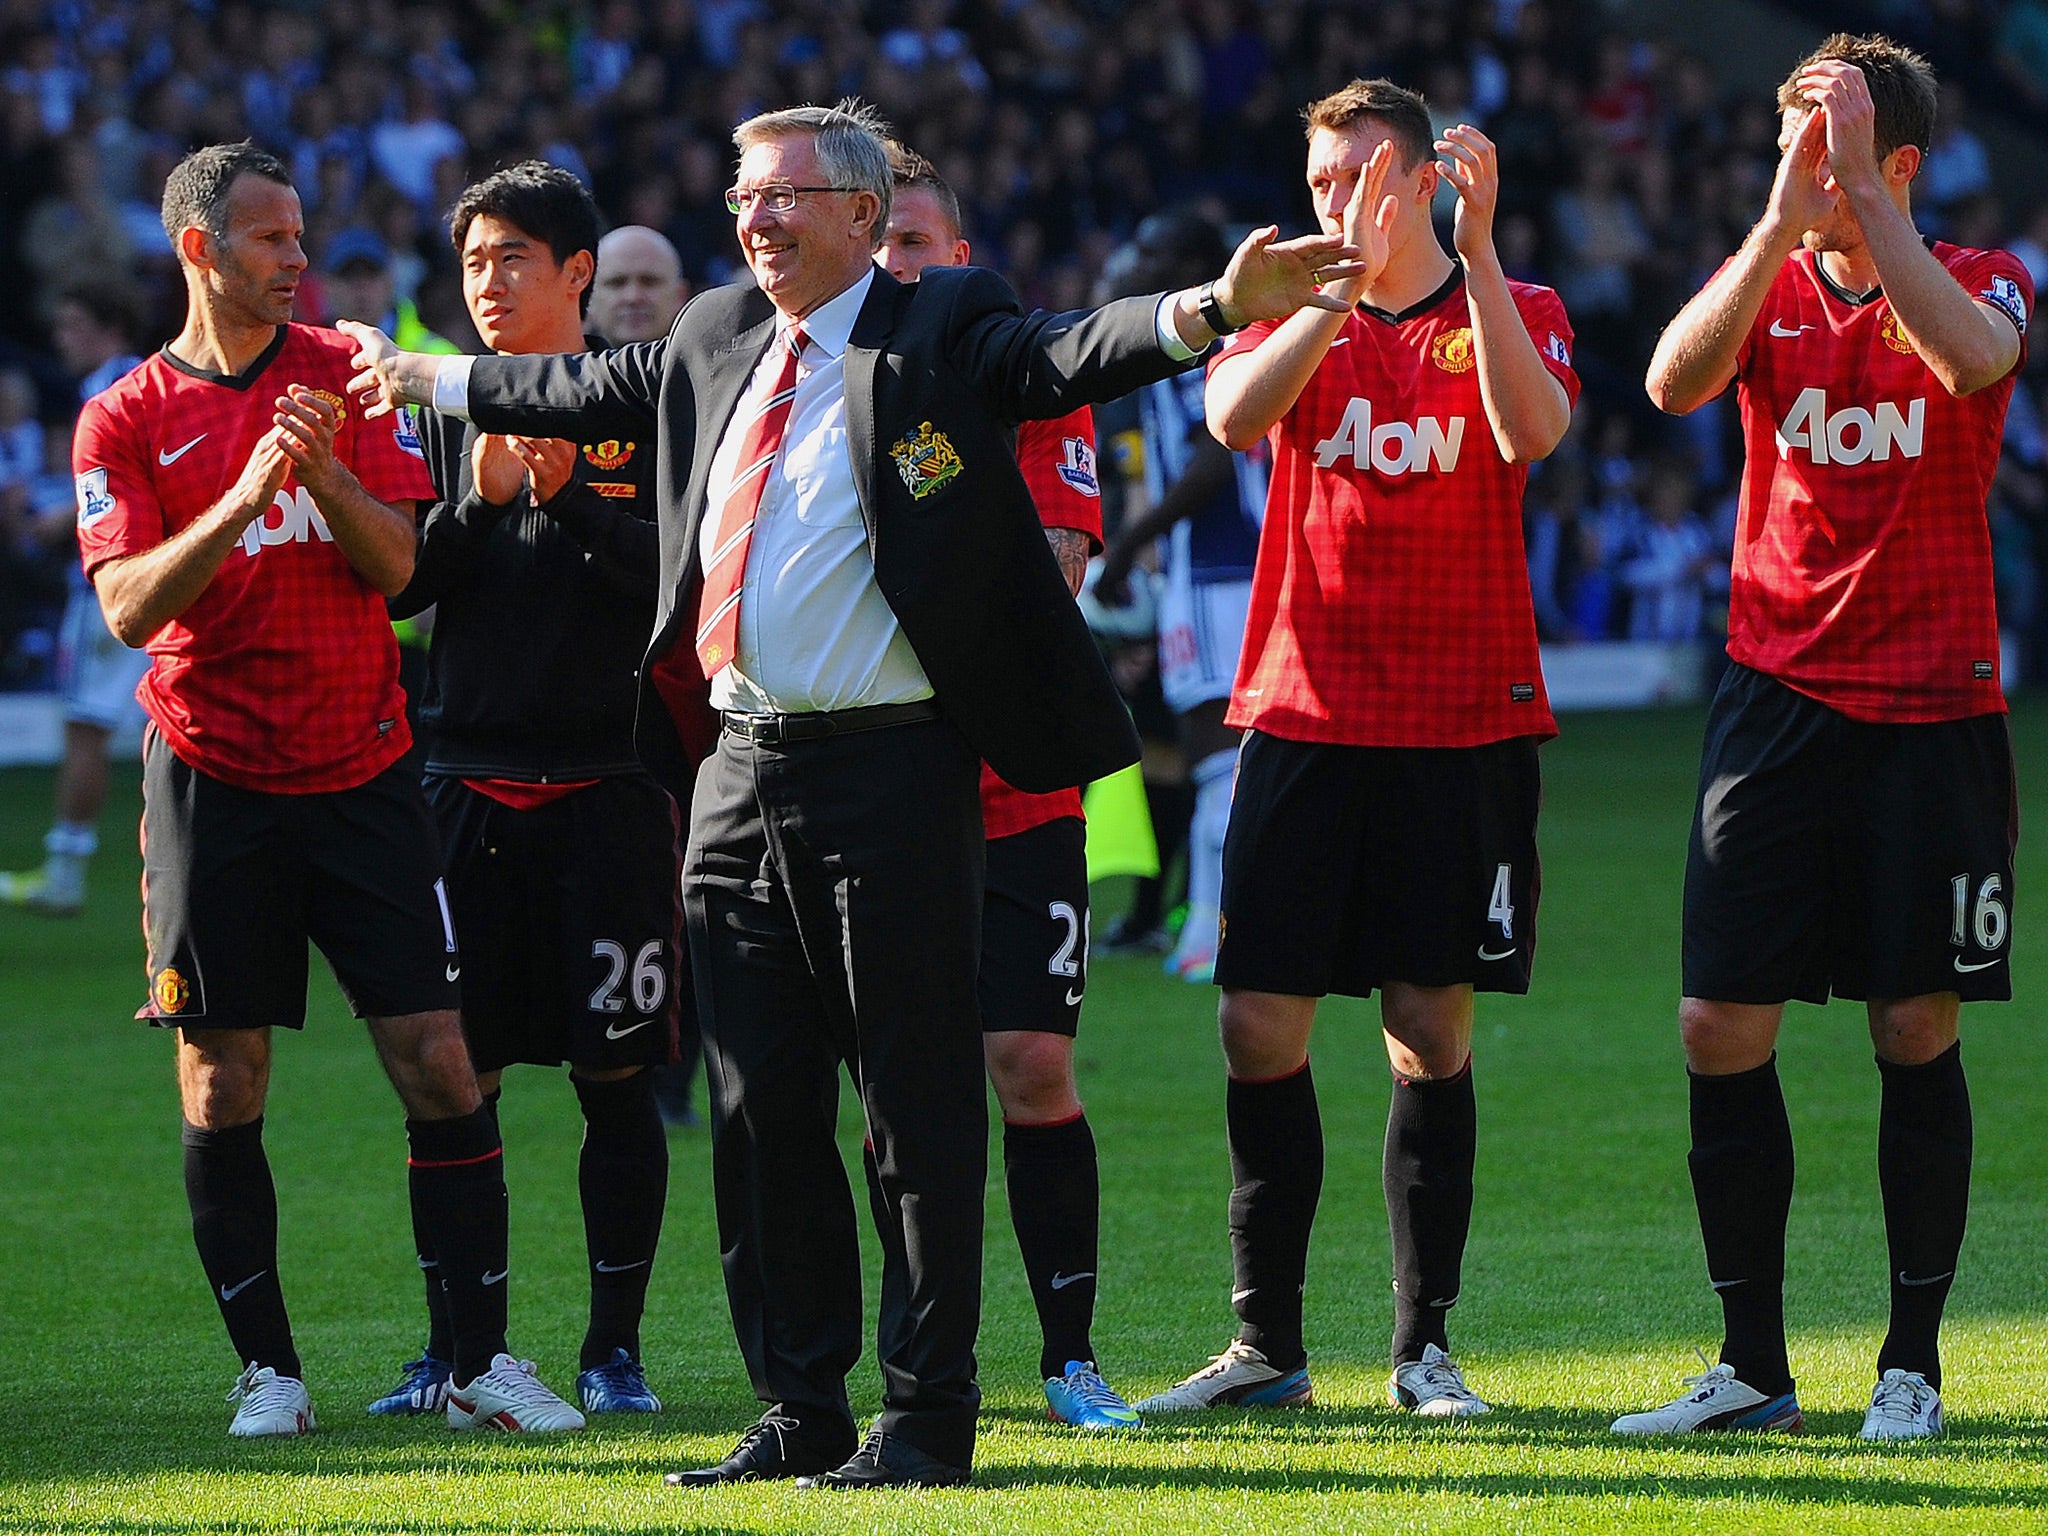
x=571 y=916
x=1034 y=929
x=1845 y=856
x=1348 y=867
x=235 y=881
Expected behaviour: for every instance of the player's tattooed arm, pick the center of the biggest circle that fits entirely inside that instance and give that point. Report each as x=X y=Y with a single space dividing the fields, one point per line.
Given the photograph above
x=1695 y=357
x=379 y=540
x=141 y=593
x=1070 y=546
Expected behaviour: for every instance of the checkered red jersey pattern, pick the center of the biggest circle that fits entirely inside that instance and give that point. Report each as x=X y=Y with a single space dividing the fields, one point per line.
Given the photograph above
x=283 y=674
x=1390 y=603
x=1862 y=573
x=1058 y=460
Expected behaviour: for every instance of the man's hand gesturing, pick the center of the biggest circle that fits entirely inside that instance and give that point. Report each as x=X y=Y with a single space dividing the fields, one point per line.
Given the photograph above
x=389 y=378
x=1468 y=163
x=1269 y=278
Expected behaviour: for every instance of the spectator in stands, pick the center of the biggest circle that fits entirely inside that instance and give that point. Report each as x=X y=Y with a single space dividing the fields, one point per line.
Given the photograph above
x=357 y=284
x=1667 y=573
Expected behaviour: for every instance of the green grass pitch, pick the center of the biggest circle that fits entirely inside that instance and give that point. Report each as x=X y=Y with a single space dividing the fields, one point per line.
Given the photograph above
x=1584 y=1292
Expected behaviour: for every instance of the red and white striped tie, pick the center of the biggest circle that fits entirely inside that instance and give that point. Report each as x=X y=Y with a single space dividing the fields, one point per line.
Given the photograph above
x=718 y=605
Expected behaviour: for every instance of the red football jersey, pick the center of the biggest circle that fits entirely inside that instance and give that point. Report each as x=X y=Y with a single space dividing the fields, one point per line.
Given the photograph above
x=1058 y=460
x=1862 y=572
x=1390 y=603
x=283 y=674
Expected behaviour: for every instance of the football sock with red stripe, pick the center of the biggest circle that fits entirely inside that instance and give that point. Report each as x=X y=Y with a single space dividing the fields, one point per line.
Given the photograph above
x=1741 y=1163
x=1924 y=1143
x=1276 y=1177
x=234 y=1225
x=440 y=1332
x=1056 y=1205
x=456 y=1175
x=1426 y=1171
x=623 y=1177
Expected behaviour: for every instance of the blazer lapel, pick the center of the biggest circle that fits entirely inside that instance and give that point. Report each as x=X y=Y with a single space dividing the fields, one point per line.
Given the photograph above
x=719 y=388
x=863 y=348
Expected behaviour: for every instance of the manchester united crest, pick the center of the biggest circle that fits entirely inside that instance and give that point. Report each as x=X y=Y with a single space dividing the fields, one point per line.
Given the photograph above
x=171 y=992
x=1894 y=338
x=340 y=405
x=1452 y=351
x=926 y=460
x=609 y=454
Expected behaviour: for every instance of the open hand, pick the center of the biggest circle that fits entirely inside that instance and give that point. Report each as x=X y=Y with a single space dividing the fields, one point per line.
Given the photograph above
x=1468 y=163
x=1269 y=278
x=1803 y=190
x=548 y=461
x=306 y=424
x=376 y=387
x=1839 y=92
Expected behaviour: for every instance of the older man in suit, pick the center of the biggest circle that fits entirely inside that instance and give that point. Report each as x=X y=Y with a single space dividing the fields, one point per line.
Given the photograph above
x=856 y=604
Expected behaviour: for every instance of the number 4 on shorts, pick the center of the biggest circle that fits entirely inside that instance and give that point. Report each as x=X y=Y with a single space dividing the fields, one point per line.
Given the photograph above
x=1500 y=907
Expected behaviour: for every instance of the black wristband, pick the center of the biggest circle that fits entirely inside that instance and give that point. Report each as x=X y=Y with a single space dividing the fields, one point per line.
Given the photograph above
x=1210 y=308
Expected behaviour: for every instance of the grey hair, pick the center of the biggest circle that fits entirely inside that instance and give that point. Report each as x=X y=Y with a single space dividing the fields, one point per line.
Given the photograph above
x=852 y=142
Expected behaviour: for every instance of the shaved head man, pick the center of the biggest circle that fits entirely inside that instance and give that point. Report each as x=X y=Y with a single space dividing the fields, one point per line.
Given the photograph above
x=640 y=286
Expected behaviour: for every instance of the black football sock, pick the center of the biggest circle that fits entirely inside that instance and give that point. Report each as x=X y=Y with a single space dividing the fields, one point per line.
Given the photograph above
x=1432 y=1140
x=1055 y=1205
x=1924 y=1137
x=456 y=1173
x=1741 y=1163
x=623 y=1176
x=1276 y=1177
x=234 y=1224
x=440 y=1332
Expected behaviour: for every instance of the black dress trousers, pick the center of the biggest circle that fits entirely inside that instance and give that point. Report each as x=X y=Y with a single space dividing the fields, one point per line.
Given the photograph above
x=833 y=892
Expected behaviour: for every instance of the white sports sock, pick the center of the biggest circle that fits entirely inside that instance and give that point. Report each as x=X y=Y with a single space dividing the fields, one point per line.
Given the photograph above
x=1214 y=777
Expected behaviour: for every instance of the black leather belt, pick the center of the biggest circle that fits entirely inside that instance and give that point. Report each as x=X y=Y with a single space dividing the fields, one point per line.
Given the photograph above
x=773 y=730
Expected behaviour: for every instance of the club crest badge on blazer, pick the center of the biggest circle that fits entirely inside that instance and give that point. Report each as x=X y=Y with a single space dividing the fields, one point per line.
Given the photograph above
x=926 y=460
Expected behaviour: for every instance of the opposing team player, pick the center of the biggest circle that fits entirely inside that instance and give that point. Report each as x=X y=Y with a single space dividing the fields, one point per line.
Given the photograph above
x=1856 y=815
x=243 y=522
x=1207 y=503
x=1383 y=833
x=563 y=866
x=1034 y=927
x=96 y=674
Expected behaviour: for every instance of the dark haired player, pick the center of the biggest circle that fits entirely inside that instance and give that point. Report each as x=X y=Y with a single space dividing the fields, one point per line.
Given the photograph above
x=563 y=866
x=1856 y=815
x=243 y=522
x=1034 y=916
x=1383 y=830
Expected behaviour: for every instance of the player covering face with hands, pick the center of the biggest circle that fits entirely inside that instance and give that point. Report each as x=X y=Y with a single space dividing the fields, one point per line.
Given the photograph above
x=1854 y=828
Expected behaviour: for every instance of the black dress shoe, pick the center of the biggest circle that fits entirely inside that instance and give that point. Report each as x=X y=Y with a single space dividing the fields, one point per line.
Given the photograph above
x=885 y=1462
x=777 y=1445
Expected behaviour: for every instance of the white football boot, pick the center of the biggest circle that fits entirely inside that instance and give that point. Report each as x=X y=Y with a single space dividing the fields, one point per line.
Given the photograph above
x=1902 y=1407
x=1714 y=1399
x=270 y=1404
x=1434 y=1387
x=509 y=1396
x=1238 y=1378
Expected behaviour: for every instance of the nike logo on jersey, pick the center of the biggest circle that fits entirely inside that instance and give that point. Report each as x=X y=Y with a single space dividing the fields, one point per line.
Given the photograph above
x=619 y=1269
x=494 y=1279
x=1946 y=1274
x=166 y=460
x=1976 y=965
x=1338 y=342
x=1060 y=1282
x=454 y=972
x=1785 y=335
x=1487 y=954
x=230 y=1292
x=1073 y=997
x=613 y=1032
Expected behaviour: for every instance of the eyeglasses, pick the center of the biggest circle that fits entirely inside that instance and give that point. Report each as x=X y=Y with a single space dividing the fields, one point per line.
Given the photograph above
x=776 y=197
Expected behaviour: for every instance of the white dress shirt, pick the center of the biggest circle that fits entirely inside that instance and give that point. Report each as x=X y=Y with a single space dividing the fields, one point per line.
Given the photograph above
x=815 y=632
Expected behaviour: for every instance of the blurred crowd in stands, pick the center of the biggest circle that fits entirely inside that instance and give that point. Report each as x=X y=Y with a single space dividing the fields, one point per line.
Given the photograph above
x=1629 y=171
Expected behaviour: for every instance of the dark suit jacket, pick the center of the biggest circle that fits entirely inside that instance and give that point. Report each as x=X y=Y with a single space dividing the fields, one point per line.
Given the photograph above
x=964 y=567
